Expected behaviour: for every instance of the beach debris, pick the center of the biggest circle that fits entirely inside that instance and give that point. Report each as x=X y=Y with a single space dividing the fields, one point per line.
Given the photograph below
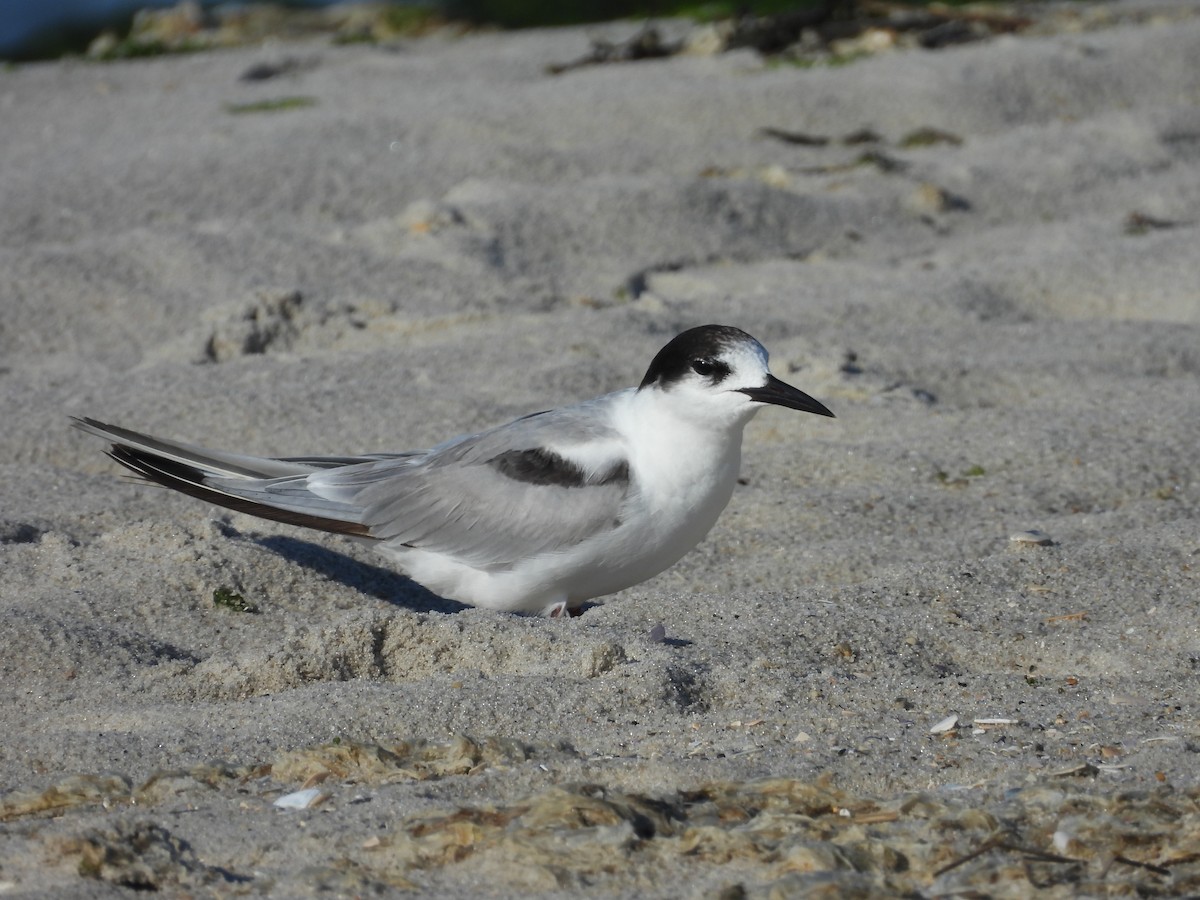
x=963 y=479
x=303 y=799
x=648 y=43
x=920 y=137
x=267 y=69
x=316 y=778
x=1079 y=770
x=1067 y=617
x=658 y=633
x=199 y=782
x=997 y=843
x=884 y=162
x=231 y=599
x=931 y=199
x=427 y=217
x=859 y=136
x=188 y=27
x=179 y=29
x=792 y=829
x=981 y=726
x=12 y=532
x=829 y=33
x=142 y=856
x=72 y=791
x=807 y=834
x=276 y=104
x=416 y=760
x=946 y=725
x=1033 y=537
x=339 y=760
x=926 y=136
x=867 y=42
x=799 y=138
x=832 y=32
x=270 y=320
x=1139 y=223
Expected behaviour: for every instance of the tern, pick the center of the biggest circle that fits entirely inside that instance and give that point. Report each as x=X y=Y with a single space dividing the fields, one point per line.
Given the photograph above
x=536 y=516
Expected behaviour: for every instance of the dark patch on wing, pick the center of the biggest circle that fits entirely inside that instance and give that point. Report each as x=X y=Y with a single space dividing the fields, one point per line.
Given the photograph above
x=542 y=466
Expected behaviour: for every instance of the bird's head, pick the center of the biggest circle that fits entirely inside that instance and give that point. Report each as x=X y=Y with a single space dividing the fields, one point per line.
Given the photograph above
x=719 y=374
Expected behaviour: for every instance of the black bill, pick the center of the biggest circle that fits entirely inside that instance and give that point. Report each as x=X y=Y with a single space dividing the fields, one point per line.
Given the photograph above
x=781 y=393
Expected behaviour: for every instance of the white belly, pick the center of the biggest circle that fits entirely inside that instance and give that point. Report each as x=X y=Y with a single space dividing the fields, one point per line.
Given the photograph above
x=670 y=510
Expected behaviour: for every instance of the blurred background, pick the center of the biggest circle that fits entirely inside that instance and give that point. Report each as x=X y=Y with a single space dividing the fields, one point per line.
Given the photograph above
x=47 y=29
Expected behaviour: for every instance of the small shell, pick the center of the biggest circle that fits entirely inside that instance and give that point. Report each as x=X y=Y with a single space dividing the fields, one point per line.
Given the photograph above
x=947 y=724
x=301 y=799
x=1033 y=536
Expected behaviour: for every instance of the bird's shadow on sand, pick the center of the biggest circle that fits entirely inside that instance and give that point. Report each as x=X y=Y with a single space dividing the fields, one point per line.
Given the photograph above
x=373 y=580
x=366 y=578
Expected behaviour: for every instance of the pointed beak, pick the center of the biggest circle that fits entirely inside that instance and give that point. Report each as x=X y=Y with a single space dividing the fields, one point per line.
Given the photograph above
x=781 y=393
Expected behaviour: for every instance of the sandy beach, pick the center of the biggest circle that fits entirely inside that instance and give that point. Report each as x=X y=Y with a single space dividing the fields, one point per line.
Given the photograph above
x=944 y=644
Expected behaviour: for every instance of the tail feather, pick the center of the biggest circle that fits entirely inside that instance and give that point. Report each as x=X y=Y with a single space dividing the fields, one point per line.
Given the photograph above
x=211 y=462
x=218 y=478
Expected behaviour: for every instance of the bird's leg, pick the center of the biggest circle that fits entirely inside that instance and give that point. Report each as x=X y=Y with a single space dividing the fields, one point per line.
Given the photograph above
x=560 y=610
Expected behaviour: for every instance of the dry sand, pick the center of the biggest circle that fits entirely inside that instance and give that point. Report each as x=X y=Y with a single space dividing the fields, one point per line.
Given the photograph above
x=1006 y=324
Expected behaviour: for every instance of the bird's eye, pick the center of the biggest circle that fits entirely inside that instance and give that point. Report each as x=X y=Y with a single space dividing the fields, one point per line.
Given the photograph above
x=702 y=367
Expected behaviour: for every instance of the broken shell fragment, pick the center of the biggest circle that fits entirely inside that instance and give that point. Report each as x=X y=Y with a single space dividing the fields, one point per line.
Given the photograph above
x=1033 y=536
x=301 y=799
x=947 y=724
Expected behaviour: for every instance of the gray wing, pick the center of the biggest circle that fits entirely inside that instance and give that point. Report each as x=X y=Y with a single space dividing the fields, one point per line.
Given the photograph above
x=540 y=484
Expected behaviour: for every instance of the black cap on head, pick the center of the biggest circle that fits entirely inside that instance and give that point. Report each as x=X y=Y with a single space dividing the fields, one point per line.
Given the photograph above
x=704 y=343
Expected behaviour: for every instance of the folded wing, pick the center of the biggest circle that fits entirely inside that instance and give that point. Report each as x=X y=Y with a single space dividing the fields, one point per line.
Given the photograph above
x=543 y=483
x=493 y=499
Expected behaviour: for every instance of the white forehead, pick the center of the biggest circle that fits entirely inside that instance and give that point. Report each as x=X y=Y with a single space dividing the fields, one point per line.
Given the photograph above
x=748 y=356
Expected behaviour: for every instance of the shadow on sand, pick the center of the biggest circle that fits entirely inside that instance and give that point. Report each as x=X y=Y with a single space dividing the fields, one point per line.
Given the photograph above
x=361 y=576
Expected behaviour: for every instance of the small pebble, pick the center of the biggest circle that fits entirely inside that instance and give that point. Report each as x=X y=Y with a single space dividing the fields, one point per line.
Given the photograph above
x=658 y=633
